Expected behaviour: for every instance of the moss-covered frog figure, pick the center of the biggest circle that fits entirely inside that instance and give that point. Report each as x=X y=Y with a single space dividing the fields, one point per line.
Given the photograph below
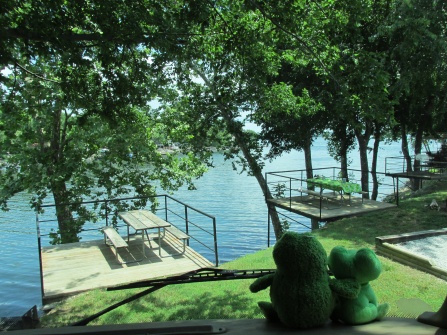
x=354 y=269
x=300 y=293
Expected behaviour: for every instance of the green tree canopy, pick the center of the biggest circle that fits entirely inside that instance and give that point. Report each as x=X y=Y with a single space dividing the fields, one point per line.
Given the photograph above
x=79 y=78
x=85 y=72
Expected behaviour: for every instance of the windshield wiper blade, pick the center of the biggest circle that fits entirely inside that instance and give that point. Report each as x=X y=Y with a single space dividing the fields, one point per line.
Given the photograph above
x=200 y=275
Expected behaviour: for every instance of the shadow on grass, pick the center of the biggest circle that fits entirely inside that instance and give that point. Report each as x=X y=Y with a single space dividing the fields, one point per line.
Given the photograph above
x=152 y=308
x=208 y=305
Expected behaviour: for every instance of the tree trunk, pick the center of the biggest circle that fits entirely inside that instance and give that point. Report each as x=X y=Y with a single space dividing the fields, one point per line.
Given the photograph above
x=417 y=152
x=68 y=229
x=237 y=132
x=235 y=129
x=405 y=150
x=418 y=139
x=315 y=224
x=308 y=160
x=257 y=173
x=344 y=162
x=375 y=189
x=363 y=140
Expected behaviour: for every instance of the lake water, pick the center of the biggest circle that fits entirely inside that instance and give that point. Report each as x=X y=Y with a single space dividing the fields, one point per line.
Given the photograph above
x=235 y=200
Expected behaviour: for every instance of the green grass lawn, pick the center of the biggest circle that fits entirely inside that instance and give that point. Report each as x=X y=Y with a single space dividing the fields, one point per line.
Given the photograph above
x=232 y=299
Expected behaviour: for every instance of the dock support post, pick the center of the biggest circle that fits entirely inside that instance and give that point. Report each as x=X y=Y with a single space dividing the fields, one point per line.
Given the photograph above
x=315 y=224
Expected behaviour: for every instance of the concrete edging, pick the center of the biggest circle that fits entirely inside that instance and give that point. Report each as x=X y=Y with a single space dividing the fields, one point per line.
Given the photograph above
x=385 y=246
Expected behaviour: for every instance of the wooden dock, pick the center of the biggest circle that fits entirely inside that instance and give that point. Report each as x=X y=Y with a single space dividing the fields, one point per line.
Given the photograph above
x=72 y=268
x=332 y=209
x=425 y=175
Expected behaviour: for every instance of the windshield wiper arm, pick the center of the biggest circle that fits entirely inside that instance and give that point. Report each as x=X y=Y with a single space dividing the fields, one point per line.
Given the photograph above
x=200 y=275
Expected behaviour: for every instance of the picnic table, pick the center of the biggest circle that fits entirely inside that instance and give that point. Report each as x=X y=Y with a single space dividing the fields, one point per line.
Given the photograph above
x=144 y=220
x=336 y=185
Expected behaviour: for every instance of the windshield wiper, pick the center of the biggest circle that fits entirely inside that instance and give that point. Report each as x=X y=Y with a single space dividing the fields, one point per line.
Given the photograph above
x=200 y=275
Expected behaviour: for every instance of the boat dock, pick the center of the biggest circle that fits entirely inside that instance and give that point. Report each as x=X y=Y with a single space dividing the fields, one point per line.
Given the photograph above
x=322 y=209
x=69 y=269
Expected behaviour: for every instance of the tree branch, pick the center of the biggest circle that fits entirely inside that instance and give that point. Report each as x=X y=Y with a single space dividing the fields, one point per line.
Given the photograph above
x=36 y=75
x=306 y=45
x=16 y=33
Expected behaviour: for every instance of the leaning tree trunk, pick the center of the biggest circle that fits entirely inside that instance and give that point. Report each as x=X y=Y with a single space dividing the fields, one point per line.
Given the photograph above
x=257 y=173
x=256 y=170
x=236 y=130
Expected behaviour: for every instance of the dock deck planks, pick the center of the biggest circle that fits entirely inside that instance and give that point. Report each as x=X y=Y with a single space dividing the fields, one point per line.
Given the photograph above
x=426 y=175
x=77 y=267
x=309 y=206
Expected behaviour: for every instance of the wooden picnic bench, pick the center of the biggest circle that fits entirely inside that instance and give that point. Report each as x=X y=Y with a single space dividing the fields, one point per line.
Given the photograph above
x=178 y=234
x=113 y=238
x=168 y=227
x=319 y=194
x=144 y=220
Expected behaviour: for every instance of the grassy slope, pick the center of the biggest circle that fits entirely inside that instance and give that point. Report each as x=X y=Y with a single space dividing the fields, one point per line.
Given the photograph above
x=232 y=299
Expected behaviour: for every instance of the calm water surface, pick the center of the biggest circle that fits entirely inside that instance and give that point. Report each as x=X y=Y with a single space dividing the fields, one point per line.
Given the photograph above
x=234 y=199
